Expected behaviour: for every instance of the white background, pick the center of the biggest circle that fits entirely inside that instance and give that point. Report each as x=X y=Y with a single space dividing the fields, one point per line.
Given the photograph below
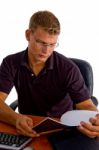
x=79 y=29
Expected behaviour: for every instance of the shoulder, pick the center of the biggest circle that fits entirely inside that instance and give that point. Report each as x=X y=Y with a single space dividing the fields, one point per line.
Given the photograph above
x=14 y=59
x=16 y=56
x=66 y=67
x=62 y=61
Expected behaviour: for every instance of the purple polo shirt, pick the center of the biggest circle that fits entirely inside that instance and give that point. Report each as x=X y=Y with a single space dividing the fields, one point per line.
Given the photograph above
x=54 y=91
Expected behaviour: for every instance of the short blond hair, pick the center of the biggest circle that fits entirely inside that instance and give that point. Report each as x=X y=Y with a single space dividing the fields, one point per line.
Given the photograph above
x=45 y=19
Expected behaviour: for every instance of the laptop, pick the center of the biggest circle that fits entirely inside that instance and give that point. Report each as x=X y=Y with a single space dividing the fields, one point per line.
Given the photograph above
x=13 y=142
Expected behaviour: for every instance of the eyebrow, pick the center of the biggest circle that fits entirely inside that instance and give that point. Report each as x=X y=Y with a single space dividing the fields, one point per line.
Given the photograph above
x=38 y=40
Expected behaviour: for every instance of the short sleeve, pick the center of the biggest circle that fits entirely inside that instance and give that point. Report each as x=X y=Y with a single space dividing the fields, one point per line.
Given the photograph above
x=6 y=76
x=76 y=85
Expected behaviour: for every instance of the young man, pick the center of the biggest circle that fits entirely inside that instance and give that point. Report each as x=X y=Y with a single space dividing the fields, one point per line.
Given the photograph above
x=47 y=83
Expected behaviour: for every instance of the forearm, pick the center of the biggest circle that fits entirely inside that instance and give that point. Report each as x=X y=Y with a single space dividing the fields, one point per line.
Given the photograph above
x=7 y=114
x=86 y=105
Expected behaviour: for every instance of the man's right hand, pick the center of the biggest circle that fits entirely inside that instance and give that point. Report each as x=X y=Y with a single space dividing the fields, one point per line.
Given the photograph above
x=24 y=126
x=23 y=123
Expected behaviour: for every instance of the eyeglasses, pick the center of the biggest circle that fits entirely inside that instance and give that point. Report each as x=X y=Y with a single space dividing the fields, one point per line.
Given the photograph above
x=43 y=44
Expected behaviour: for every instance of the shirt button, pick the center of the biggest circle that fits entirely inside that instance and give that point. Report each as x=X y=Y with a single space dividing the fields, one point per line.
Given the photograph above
x=32 y=74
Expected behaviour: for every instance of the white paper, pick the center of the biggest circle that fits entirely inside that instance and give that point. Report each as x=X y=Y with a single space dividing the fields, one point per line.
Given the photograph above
x=74 y=117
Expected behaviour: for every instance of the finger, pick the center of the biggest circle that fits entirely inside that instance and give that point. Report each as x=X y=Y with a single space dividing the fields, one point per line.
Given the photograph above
x=90 y=127
x=22 y=132
x=30 y=123
x=94 y=121
x=97 y=115
x=24 y=125
x=87 y=132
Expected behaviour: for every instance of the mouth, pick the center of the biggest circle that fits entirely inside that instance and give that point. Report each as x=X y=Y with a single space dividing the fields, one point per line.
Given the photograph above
x=42 y=56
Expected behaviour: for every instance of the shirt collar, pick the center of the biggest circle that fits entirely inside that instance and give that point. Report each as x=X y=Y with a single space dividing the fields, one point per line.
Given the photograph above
x=24 y=61
x=49 y=63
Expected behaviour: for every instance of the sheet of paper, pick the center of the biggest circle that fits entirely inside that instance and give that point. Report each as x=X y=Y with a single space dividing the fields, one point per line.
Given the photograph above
x=74 y=117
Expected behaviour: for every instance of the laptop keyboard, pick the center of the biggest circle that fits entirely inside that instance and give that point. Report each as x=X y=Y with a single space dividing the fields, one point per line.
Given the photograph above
x=13 y=142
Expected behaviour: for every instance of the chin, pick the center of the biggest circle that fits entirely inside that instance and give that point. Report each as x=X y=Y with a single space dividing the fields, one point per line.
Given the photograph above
x=40 y=61
x=43 y=60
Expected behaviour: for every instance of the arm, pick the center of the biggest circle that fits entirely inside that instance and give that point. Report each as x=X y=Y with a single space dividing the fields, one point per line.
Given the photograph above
x=6 y=113
x=87 y=105
x=90 y=129
x=22 y=123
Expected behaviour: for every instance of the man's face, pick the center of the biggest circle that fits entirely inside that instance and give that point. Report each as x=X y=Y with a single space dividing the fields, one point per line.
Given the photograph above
x=40 y=44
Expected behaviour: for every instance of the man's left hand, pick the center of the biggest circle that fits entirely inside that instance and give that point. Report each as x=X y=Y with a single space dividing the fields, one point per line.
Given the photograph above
x=90 y=129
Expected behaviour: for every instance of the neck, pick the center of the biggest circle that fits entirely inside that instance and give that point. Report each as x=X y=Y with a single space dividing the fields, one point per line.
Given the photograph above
x=36 y=66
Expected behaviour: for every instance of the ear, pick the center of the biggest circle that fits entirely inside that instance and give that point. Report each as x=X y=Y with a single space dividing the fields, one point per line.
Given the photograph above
x=27 y=34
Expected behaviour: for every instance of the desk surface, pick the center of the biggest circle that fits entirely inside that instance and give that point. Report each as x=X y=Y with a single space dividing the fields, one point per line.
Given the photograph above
x=38 y=143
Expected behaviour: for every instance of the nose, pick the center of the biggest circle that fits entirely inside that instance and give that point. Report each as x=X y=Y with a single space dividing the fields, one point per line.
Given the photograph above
x=45 y=48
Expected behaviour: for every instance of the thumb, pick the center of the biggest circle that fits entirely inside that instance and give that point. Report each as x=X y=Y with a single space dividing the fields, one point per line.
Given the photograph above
x=97 y=115
x=30 y=122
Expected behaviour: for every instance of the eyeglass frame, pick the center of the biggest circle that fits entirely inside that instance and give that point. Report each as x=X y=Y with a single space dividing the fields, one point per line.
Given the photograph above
x=43 y=44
